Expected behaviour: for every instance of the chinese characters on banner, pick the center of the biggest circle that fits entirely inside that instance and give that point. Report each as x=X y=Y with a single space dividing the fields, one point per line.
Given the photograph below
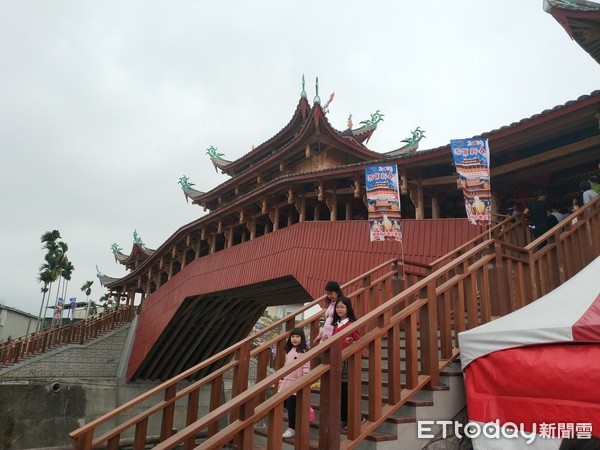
x=383 y=200
x=58 y=310
x=472 y=161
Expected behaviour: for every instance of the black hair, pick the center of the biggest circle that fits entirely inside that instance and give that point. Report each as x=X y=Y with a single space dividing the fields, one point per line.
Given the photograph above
x=585 y=185
x=303 y=347
x=333 y=286
x=351 y=316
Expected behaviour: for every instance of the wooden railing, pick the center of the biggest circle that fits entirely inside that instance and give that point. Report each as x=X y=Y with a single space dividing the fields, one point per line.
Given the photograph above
x=394 y=275
x=419 y=322
x=80 y=332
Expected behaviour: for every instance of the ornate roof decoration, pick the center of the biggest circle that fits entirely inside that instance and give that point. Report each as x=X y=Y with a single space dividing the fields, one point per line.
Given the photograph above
x=216 y=158
x=376 y=117
x=317 y=99
x=185 y=182
x=187 y=189
x=326 y=105
x=581 y=21
x=118 y=253
x=105 y=279
x=303 y=93
x=137 y=239
x=412 y=143
x=139 y=252
x=364 y=133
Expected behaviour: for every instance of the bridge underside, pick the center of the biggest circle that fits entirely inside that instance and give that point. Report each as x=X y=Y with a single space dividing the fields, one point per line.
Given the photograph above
x=215 y=301
x=206 y=324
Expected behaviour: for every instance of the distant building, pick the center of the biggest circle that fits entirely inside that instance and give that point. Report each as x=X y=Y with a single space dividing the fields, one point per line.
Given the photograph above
x=15 y=323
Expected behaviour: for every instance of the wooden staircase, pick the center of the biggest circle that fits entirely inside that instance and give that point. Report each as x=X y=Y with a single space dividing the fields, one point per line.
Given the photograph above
x=410 y=317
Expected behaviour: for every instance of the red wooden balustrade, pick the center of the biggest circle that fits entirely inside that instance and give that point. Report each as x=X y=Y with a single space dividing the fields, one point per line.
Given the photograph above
x=417 y=323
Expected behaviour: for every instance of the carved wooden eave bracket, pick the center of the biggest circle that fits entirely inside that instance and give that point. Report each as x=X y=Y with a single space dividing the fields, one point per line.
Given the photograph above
x=331 y=201
x=251 y=225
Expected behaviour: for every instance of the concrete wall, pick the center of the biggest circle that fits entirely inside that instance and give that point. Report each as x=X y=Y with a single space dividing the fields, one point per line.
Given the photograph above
x=46 y=397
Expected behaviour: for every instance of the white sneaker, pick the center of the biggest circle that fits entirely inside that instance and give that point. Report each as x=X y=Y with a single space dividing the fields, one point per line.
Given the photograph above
x=289 y=433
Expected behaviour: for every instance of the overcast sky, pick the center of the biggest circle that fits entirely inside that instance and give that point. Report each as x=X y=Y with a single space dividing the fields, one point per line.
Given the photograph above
x=105 y=105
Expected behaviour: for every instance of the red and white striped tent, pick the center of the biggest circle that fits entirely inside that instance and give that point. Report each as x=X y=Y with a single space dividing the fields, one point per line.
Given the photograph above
x=538 y=366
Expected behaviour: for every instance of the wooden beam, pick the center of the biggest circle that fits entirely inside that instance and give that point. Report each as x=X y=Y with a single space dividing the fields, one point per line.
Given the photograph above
x=449 y=179
x=536 y=160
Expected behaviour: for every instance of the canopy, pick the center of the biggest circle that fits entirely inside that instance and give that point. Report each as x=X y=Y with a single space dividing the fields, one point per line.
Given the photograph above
x=539 y=366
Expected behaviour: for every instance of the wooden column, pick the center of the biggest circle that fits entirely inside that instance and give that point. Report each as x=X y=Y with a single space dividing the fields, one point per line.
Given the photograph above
x=251 y=225
x=229 y=236
x=494 y=203
x=404 y=181
x=332 y=205
x=348 y=211
x=301 y=208
x=274 y=216
x=420 y=213
x=435 y=206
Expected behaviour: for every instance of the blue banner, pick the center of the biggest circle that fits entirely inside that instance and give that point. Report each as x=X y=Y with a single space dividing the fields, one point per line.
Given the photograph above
x=383 y=200
x=472 y=161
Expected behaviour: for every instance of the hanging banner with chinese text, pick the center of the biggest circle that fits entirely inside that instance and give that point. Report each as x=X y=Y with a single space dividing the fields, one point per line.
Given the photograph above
x=383 y=200
x=472 y=161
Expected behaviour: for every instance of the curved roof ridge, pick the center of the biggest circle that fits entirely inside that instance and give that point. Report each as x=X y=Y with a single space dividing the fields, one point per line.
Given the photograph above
x=302 y=106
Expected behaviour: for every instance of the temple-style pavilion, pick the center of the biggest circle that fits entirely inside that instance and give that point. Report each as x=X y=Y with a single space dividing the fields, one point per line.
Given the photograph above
x=297 y=202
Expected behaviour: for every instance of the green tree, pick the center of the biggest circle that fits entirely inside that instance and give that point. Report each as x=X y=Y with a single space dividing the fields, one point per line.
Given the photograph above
x=87 y=289
x=56 y=266
x=49 y=272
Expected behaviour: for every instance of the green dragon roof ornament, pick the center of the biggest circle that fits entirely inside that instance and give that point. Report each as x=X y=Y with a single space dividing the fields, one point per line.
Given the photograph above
x=137 y=239
x=417 y=135
x=213 y=153
x=376 y=117
x=185 y=182
x=115 y=248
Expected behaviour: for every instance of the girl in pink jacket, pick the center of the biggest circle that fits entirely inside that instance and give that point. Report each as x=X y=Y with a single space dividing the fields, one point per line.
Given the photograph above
x=294 y=348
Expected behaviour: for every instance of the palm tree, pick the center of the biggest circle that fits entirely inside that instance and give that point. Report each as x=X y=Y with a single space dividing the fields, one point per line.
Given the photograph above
x=46 y=277
x=93 y=308
x=48 y=271
x=67 y=271
x=106 y=301
x=87 y=288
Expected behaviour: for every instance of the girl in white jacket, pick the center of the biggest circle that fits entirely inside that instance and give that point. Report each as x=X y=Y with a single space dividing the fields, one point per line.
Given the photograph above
x=294 y=348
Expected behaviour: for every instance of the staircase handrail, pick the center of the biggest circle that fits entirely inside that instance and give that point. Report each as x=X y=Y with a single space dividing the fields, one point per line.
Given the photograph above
x=433 y=286
x=480 y=264
x=318 y=352
x=500 y=229
x=83 y=434
x=79 y=332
